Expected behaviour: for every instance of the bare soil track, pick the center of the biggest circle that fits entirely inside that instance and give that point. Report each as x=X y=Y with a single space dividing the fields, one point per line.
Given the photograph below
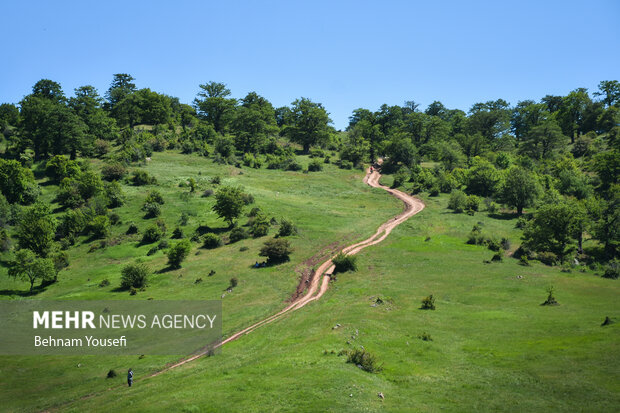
x=319 y=282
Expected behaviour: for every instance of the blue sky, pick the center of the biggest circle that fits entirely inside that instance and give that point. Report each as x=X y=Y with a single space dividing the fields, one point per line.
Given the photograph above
x=344 y=54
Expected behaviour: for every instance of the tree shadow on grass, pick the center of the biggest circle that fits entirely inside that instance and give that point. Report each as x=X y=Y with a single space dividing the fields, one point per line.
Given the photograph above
x=27 y=293
x=205 y=229
x=505 y=216
x=167 y=268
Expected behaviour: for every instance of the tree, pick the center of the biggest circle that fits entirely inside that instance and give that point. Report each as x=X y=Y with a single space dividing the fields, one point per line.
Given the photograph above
x=213 y=105
x=15 y=181
x=276 y=250
x=400 y=150
x=253 y=122
x=122 y=86
x=28 y=267
x=88 y=105
x=178 y=252
x=135 y=275
x=610 y=90
x=143 y=106
x=482 y=178
x=520 y=188
x=551 y=229
x=229 y=203
x=572 y=112
x=607 y=166
x=543 y=140
x=50 y=90
x=308 y=124
x=491 y=119
x=37 y=228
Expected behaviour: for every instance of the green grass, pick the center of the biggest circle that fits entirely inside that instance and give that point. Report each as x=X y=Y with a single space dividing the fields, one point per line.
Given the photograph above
x=494 y=347
x=328 y=207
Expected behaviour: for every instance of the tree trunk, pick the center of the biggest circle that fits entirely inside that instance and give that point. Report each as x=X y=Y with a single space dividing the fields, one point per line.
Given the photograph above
x=306 y=148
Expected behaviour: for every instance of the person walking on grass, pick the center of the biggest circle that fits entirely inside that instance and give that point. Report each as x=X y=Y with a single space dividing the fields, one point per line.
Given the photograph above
x=130 y=377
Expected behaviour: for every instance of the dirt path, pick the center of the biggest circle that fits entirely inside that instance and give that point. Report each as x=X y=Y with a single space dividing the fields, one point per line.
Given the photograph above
x=321 y=278
x=320 y=281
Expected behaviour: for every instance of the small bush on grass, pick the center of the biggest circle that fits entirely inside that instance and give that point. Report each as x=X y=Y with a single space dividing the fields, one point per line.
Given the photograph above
x=550 y=297
x=425 y=337
x=344 y=263
x=237 y=234
x=259 y=227
x=364 y=360
x=216 y=180
x=428 y=303
x=178 y=252
x=111 y=374
x=104 y=283
x=211 y=241
x=458 y=201
x=135 y=276
x=497 y=257
x=547 y=258
x=276 y=250
x=177 y=233
x=207 y=193
x=141 y=177
x=152 y=234
x=612 y=270
x=315 y=166
x=151 y=210
x=113 y=172
x=132 y=229
x=286 y=228
x=233 y=283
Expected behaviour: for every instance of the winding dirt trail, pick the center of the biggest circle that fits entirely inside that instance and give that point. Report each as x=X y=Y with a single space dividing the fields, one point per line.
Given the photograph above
x=320 y=281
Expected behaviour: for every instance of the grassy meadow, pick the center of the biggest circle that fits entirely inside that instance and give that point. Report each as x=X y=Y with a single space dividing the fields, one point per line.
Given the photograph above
x=493 y=347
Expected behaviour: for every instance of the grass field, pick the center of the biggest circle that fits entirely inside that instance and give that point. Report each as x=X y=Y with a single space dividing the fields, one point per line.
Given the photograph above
x=494 y=347
x=331 y=208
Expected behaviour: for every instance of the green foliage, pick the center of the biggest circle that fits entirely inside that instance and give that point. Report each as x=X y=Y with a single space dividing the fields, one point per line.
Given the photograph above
x=141 y=177
x=99 y=227
x=135 y=275
x=307 y=124
x=37 y=229
x=428 y=303
x=28 y=267
x=286 y=228
x=113 y=171
x=259 y=225
x=114 y=194
x=229 y=203
x=315 y=165
x=520 y=189
x=237 y=234
x=343 y=263
x=482 y=178
x=458 y=201
x=364 y=360
x=276 y=250
x=473 y=204
x=211 y=241
x=178 y=252
x=550 y=297
x=612 y=270
x=60 y=167
x=552 y=229
x=151 y=209
x=15 y=182
x=152 y=234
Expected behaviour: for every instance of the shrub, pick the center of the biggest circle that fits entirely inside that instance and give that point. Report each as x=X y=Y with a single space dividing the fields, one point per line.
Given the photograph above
x=428 y=303
x=113 y=171
x=233 y=283
x=293 y=165
x=473 y=203
x=458 y=201
x=99 y=226
x=492 y=244
x=315 y=165
x=253 y=212
x=141 y=177
x=211 y=241
x=547 y=258
x=237 y=234
x=612 y=270
x=346 y=165
x=524 y=261
x=135 y=276
x=364 y=360
x=152 y=234
x=154 y=197
x=344 y=263
x=178 y=252
x=111 y=374
x=207 y=193
x=216 y=180
x=425 y=337
x=104 y=283
x=259 y=226
x=400 y=177
x=505 y=243
x=151 y=209
x=286 y=228
x=248 y=199
x=497 y=257
x=132 y=229
x=276 y=250
x=550 y=298
x=114 y=194
x=177 y=233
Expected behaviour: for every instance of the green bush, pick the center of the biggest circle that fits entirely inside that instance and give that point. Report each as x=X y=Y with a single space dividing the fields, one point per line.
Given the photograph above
x=152 y=234
x=315 y=165
x=428 y=303
x=346 y=165
x=473 y=203
x=132 y=229
x=364 y=360
x=259 y=226
x=141 y=177
x=458 y=201
x=151 y=210
x=211 y=241
x=177 y=233
x=276 y=250
x=154 y=197
x=178 y=252
x=113 y=171
x=99 y=227
x=237 y=234
x=344 y=263
x=612 y=270
x=114 y=194
x=286 y=228
x=135 y=276
x=547 y=258
x=293 y=165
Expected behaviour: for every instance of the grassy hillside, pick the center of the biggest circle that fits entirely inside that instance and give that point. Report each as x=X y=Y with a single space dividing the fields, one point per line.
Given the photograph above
x=331 y=208
x=493 y=348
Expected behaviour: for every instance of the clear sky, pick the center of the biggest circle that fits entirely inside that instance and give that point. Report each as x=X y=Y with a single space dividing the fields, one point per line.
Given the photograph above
x=344 y=54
